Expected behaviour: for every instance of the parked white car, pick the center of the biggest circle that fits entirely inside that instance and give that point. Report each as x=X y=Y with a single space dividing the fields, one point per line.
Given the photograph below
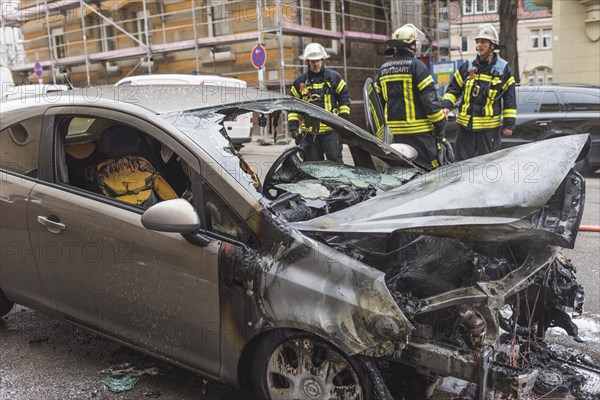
x=239 y=130
x=43 y=92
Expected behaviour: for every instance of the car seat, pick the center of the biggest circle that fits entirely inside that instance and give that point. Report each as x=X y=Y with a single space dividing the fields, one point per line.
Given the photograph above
x=78 y=157
x=126 y=174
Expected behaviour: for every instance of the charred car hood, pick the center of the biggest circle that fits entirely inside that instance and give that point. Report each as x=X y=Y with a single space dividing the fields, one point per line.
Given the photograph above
x=498 y=196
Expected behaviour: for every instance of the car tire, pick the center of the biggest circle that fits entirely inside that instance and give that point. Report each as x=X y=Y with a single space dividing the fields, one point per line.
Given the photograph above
x=5 y=305
x=279 y=370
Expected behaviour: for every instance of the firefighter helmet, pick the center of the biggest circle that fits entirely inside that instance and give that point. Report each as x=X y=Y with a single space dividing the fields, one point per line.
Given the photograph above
x=314 y=51
x=488 y=32
x=406 y=35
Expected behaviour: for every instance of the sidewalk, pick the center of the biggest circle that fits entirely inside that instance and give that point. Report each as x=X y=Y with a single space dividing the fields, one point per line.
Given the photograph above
x=272 y=151
x=256 y=148
x=270 y=148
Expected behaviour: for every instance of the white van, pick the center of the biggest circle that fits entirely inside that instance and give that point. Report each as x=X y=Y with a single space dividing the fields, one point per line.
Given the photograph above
x=239 y=130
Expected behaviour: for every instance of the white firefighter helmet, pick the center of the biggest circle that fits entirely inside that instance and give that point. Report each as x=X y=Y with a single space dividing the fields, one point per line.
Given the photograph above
x=314 y=51
x=405 y=36
x=488 y=32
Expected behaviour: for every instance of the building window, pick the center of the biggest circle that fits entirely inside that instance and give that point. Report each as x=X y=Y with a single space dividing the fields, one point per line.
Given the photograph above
x=547 y=38
x=535 y=39
x=541 y=39
x=59 y=44
x=218 y=25
x=471 y=7
x=108 y=42
x=141 y=27
x=479 y=6
x=464 y=44
x=107 y=36
x=467 y=7
x=324 y=16
x=540 y=76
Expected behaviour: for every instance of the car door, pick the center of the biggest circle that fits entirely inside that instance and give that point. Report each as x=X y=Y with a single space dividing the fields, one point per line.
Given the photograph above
x=583 y=116
x=151 y=289
x=19 y=277
x=539 y=115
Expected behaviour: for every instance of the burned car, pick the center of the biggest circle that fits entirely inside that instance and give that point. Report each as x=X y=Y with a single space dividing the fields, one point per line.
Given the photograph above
x=131 y=214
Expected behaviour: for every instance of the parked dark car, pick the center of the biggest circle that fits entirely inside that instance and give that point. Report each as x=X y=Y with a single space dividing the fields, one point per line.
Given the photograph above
x=547 y=111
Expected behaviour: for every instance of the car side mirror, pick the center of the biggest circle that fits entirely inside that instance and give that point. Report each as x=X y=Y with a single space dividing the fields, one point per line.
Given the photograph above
x=176 y=215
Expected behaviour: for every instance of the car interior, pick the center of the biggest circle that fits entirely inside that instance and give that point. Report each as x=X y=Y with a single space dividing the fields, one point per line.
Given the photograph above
x=123 y=163
x=120 y=161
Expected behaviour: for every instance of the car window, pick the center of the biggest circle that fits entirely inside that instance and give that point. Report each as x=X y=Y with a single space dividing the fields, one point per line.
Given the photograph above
x=550 y=102
x=579 y=101
x=528 y=99
x=218 y=216
x=79 y=125
x=118 y=161
x=19 y=147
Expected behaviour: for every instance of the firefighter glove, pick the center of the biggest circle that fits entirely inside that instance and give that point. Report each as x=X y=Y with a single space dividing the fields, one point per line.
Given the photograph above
x=445 y=151
x=438 y=132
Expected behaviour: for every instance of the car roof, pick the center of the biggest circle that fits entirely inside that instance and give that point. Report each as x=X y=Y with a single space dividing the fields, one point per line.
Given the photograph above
x=150 y=101
x=180 y=79
x=558 y=86
x=158 y=99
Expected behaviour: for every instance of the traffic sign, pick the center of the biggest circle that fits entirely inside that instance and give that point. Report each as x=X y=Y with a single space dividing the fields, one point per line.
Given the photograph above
x=38 y=69
x=258 y=56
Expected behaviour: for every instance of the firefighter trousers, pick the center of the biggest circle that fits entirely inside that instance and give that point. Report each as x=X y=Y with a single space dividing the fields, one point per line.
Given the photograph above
x=475 y=143
x=323 y=145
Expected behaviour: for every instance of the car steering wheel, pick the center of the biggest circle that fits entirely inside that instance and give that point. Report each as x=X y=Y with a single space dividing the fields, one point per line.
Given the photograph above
x=282 y=170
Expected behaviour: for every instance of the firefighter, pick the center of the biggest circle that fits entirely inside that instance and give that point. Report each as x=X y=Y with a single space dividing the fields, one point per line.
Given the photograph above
x=325 y=88
x=487 y=88
x=411 y=106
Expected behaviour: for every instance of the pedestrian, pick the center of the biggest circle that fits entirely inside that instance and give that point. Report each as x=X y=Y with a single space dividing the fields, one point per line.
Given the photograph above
x=486 y=90
x=412 y=110
x=325 y=88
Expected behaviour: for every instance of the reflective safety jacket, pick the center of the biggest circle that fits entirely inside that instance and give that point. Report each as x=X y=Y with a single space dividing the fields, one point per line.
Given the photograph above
x=408 y=95
x=488 y=95
x=327 y=89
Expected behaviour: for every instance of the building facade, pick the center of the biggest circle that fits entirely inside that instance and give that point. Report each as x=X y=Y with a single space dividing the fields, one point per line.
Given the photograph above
x=104 y=41
x=576 y=27
x=534 y=33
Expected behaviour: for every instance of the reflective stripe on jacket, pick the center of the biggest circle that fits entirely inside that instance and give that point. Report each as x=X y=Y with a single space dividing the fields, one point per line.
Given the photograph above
x=488 y=95
x=327 y=90
x=410 y=100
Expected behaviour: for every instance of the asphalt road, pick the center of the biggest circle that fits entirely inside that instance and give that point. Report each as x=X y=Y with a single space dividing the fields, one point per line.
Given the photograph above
x=45 y=359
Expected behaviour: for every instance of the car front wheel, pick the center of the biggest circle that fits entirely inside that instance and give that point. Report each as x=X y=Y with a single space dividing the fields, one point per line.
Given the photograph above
x=301 y=366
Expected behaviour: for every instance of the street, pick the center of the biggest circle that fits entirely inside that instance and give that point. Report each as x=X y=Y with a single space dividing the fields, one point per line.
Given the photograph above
x=41 y=358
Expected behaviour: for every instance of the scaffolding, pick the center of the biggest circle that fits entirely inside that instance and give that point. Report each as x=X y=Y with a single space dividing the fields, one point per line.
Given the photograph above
x=88 y=33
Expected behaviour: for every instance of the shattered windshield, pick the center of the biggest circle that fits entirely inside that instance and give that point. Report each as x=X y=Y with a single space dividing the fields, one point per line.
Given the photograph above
x=204 y=127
